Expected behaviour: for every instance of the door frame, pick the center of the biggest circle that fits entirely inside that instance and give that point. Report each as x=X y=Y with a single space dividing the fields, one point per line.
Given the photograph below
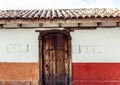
x=40 y=39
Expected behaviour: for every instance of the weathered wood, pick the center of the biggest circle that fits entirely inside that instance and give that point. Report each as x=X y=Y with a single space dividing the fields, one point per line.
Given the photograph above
x=40 y=60
x=1 y=25
x=70 y=61
x=35 y=23
x=118 y=24
x=55 y=58
x=57 y=21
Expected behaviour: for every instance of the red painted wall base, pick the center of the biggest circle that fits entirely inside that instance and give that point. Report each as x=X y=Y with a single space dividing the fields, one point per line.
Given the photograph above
x=96 y=83
x=96 y=74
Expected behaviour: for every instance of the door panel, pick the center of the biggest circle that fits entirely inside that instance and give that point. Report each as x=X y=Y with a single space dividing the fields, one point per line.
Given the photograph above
x=55 y=60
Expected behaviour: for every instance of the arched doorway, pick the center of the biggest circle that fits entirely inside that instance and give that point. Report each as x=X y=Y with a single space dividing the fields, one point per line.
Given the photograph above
x=55 y=57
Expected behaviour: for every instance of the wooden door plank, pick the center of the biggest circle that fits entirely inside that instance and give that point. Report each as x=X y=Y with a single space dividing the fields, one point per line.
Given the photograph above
x=55 y=60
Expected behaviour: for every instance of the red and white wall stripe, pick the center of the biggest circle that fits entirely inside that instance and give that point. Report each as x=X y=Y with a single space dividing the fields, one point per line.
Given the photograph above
x=95 y=56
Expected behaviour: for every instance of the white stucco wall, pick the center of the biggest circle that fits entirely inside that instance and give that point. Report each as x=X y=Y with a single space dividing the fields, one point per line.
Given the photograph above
x=18 y=45
x=100 y=45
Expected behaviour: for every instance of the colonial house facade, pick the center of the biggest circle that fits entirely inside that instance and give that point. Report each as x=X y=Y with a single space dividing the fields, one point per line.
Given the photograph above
x=60 y=47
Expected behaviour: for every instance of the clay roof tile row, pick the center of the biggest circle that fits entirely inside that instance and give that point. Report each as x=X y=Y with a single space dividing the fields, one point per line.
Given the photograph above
x=60 y=14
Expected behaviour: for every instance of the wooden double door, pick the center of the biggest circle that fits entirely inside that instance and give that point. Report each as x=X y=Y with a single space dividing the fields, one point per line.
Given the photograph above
x=55 y=60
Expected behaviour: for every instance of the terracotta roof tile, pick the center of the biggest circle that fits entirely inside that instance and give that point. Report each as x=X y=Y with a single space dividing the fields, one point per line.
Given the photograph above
x=60 y=14
x=43 y=14
x=37 y=15
x=54 y=14
x=49 y=14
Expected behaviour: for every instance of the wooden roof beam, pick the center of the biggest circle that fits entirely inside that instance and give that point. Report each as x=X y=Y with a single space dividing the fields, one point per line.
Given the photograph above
x=1 y=25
